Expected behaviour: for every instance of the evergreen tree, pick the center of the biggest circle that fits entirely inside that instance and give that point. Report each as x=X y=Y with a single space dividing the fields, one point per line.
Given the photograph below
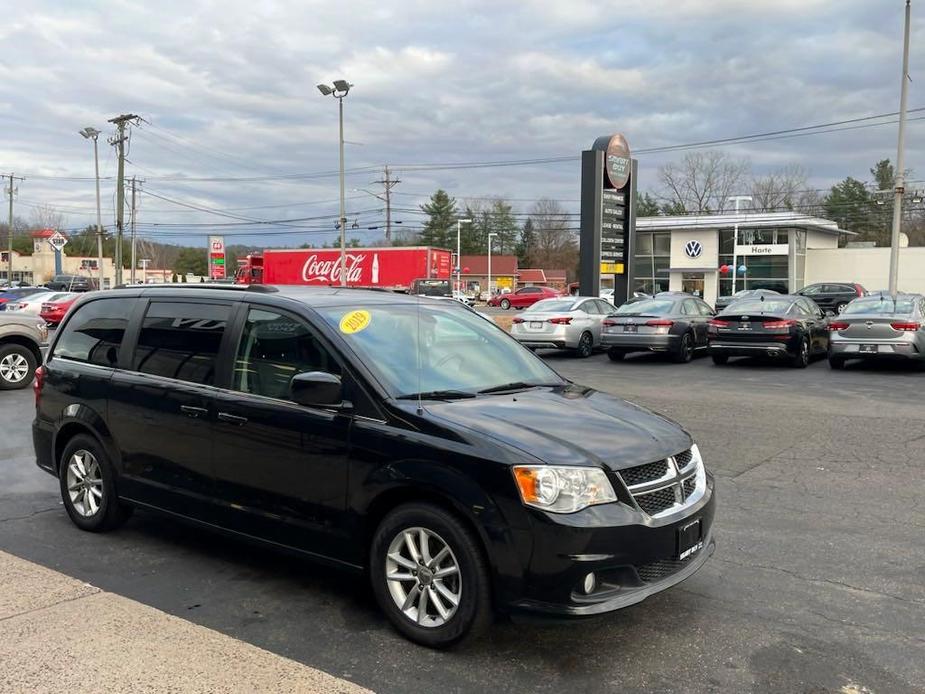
x=526 y=245
x=505 y=226
x=646 y=205
x=440 y=229
x=851 y=204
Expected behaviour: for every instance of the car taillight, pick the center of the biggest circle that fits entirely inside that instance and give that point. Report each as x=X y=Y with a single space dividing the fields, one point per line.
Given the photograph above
x=659 y=323
x=859 y=290
x=38 y=384
x=838 y=325
x=517 y=320
x=561 y=320
x=778 y=324
x=907 y=326
x=717 y=323
x=607 y=323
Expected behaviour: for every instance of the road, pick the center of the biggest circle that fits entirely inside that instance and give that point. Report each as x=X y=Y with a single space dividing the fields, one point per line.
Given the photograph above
x=816 y=585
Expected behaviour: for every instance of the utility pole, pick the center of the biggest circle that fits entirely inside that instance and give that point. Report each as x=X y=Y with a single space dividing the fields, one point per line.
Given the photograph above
x=388 y=183
x=11 y=191
x=900 y=184
x=119 y=143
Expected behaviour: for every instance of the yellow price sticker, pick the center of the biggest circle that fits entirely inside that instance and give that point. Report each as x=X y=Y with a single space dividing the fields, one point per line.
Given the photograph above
x=354 y=322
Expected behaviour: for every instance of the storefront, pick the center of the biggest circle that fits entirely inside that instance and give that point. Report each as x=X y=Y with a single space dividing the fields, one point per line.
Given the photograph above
x=708 y=255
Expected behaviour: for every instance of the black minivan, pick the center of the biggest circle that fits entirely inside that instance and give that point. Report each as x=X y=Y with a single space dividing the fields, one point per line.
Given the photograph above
x=398 y=435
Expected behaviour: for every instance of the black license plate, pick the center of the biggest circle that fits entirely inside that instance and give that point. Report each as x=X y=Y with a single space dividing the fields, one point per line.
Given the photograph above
x=690 y=539
x=630 y=328
x=868 y=349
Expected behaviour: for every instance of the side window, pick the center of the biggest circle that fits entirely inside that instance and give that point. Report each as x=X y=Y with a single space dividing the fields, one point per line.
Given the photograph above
x=606 y=309
x=689 y=308
x=705 y=309
x=94 y=333
x=275 y=347
x=811 y=289
x=589 y=307
x=181 y=341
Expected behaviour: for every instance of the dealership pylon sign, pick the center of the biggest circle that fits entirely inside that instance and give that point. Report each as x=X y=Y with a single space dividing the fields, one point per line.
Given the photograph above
x=608 y=216
x=216 y=258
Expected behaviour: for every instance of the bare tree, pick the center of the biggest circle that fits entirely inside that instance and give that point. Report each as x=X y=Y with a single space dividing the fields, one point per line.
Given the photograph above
x=702 y=182
x=783 y=189
x=554 y=245
x=46 y=217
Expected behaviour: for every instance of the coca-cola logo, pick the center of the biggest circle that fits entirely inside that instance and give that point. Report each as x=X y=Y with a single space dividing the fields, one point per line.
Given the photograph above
x=328 y=271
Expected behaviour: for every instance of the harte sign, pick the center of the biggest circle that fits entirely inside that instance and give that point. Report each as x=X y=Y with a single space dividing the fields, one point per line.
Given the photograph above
x=366 y=267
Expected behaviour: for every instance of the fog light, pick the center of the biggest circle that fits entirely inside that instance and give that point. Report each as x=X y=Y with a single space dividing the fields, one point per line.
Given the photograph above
x=590 y=584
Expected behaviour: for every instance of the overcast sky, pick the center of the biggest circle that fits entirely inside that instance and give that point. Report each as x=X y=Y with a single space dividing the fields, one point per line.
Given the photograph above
x=228 y=92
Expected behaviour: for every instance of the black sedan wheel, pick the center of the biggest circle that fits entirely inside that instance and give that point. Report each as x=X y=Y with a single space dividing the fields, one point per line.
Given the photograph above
x=685 y=351
x=429 y=576
x=585 y=346
x=801 y=359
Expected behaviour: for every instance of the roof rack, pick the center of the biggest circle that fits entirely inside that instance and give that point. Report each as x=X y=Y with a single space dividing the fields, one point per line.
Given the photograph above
x=256 y=288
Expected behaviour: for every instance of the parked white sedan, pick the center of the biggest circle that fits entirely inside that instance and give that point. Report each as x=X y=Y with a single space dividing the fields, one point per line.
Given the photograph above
x=572 y=322
x=31 y=305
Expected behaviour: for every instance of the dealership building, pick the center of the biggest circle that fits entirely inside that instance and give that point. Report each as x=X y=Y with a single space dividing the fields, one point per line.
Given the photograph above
x=784 y=251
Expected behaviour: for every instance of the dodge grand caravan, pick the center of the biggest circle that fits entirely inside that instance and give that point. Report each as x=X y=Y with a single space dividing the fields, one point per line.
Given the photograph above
x=397 y=435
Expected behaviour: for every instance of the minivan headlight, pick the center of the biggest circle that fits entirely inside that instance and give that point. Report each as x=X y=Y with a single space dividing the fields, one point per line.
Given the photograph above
x=562 y=489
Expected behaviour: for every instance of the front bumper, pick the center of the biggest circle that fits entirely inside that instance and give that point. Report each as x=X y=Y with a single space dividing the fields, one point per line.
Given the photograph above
x=631 y=555
x=630 y=342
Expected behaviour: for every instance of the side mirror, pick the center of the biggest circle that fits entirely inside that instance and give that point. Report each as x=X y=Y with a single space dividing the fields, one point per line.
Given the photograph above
x=317 y=389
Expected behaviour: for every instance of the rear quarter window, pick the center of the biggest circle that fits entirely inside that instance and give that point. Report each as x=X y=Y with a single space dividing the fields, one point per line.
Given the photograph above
x=93 y=335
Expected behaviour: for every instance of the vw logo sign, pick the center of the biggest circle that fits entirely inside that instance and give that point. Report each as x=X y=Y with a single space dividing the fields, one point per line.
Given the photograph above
x=693 y=249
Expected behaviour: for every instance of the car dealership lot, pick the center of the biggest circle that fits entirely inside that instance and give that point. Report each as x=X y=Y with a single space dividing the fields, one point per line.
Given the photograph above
x=816 y=583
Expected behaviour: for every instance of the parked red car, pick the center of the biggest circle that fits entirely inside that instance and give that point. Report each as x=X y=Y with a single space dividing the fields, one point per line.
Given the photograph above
x=523 y=297
x=53 y=312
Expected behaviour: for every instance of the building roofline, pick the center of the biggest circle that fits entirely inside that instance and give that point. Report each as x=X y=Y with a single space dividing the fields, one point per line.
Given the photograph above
x=764 y=219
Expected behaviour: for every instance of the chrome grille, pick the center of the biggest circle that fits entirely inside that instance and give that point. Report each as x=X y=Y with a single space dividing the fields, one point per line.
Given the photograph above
x=657 y=501
x=644 y=473
x=665 y=485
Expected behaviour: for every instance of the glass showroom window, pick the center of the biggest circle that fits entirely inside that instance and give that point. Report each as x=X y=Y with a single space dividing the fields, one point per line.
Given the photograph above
x=651 y=262
x=764 y=271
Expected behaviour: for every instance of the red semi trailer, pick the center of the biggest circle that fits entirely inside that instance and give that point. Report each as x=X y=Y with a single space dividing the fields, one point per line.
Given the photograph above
x=413 y=269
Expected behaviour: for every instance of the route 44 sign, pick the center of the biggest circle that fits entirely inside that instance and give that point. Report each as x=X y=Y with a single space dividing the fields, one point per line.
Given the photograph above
x=57 y=241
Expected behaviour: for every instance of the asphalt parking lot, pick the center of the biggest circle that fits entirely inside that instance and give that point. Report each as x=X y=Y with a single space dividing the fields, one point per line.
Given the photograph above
x=816 y=585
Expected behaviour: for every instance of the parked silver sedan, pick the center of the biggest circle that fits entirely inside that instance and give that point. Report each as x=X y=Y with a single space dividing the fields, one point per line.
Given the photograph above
x=572 y=322
x=879 y=327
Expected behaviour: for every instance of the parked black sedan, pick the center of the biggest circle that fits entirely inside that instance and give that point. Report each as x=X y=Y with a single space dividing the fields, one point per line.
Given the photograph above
x=672 y=322
x=783 y=327
x=833 y=296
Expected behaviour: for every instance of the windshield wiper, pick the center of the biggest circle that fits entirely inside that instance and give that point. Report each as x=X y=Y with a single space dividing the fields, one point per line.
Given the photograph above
x=517 y=385
x=438 y=395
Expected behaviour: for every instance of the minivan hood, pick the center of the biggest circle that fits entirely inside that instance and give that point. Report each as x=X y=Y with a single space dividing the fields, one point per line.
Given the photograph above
x=568 y=425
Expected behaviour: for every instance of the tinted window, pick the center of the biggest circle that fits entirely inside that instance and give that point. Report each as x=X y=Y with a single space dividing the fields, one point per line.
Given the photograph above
x=689 y=308
x=181 y=341
x=94 y=333
x=812 y=289
x=704 y=308
x=274 y=348
x=757 y=306
x=880 y=304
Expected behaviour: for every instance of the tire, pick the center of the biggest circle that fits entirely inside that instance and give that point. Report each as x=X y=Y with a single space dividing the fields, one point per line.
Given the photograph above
x=505 y=304
x=615 y=354
x=839 y=307
x=720 y=359
x=17 y=367
x=470 y=583
x=836 y=363
x=109 y=513
x=801 y=359
x=685 y=351
x=585 y=346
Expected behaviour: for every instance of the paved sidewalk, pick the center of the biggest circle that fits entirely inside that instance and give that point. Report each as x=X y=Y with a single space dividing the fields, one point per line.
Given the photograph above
x=59 y=634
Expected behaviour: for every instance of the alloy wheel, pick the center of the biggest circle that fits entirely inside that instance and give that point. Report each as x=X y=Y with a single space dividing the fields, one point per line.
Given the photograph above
x=585 y=345
x=423 y=577
x=13 y=368
x=84 y=483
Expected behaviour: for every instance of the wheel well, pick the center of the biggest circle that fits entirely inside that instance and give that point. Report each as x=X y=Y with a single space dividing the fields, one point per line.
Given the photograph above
x=65 y=434
x=394 y=498
x=24 y=342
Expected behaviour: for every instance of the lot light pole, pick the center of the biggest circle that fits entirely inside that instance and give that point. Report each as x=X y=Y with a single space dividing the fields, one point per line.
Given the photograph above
x=899 y=186
x=458 y=257
x=90 y=133
x=490 y=237
x=339 y=90
x=735 y=239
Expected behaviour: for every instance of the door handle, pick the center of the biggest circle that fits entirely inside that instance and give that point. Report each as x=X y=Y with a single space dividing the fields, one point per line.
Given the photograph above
x=193 y=412
x=232 y=418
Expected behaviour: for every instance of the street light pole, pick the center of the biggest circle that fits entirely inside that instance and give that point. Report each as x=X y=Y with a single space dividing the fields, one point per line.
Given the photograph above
x=458 y=258
x=339 y=91
x=735 y=238
x=490 y=237
x=900 y=182
x=93 y=134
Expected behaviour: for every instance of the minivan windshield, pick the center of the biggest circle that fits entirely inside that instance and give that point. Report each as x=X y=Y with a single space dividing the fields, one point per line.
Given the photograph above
x=434 y=349
x=648 y=307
